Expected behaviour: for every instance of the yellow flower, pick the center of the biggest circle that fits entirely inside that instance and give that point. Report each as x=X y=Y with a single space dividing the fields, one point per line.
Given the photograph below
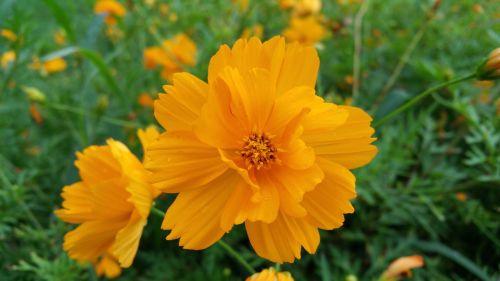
x=306 y=30
x=301 y=7
x=59 y=37
x=254 y=31
x=402 y=267
x=111 y=204
x=50 y=66
x=7 y=58
x=172 y=56
x=270 y=275
x=113 y=9
x=256 y=145
x=8 y=34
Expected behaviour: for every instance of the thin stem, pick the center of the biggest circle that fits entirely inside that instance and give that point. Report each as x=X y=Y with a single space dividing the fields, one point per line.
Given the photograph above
x=277 y=266
x=221 y=243
x=403 y=60
x=358 y=24
x=421 y=96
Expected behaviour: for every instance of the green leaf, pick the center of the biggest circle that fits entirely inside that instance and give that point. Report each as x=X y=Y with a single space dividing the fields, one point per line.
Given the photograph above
x=62 y=18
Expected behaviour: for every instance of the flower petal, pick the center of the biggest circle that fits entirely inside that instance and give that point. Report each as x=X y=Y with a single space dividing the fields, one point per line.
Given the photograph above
x=281 y=240
x=180 y=162
x=96 y=163
x=195 y=215
x=330 y=200
x=127 y=240
x=76 y=207
x=181 y=105
x=350 y=145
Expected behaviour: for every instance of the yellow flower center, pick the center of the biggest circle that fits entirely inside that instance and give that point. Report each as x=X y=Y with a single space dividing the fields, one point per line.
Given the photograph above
x=258 y=151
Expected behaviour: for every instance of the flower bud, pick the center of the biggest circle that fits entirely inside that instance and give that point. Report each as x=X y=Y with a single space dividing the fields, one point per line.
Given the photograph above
x=490 y=68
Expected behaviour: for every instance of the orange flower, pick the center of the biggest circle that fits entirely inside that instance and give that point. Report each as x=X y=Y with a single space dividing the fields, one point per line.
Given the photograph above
x=113 y=9
x=145 y=100
x=7 y=58
x=111 y=203
x=256 y=145
x=490 y=69
x=270 y=275
x=35 y=114
x=50 y=66
x=307 y=31
x=301 y=7
x=172 y=56
x=461 y=196
x=8 y=34
x=402 y=267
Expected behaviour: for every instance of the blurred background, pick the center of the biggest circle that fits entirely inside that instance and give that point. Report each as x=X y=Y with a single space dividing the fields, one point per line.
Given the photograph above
x=74 y=73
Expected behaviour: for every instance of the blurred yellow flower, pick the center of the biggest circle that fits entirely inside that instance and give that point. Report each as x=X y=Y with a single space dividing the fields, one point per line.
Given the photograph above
x=270 y=275
x=7 y=58
x=402 y=267
x=8 y=34
x=478 y=9
x=145 y=100
x=111 y=204
x=256 y=145
x=164 y=9
x=307 y=30
x=150 y=3
x=50 y=66
x=254 y=31
x=172 y=56
x=301 y=7
x=243 y=4
x=59 y=37
x=112 y=8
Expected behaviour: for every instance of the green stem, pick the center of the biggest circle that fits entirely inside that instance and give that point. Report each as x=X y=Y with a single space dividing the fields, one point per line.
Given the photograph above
x=421 y=96
x=221 y=243
x=358 y=41
x=277 y=266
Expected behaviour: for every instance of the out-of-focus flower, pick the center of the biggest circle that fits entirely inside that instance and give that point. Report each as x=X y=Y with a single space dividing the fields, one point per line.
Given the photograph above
x=307 y=31
x=402 y=267
x=111 y=204
x=172 y=56
x=349 y=2
x=8 y=34
x=478 y=9
x=254 y=31
x=35 y=113
x=145 y=100
x=59 y=37
x=113 y=32
x=164 y=9
x=50 y=66
x=172 y=17
x=7 y=58
x=34 y=94
x=286 y=4
x=485 y=84
x=242 y=4
x=256 y=145
x=461 y=196
x=150 y=3
x=490 y=69
x=112 y=8
x=270 y=275
x=301 y=7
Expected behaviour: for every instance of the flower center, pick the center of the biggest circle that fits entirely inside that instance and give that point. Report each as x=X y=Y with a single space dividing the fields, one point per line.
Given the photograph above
x=258 y=151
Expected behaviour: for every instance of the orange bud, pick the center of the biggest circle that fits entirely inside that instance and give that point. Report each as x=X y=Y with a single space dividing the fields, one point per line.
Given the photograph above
x=490 y=69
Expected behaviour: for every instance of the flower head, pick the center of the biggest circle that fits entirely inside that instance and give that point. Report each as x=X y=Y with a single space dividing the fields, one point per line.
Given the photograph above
x=7 y=58
x=172 y=56
x=113 y=9
x=490 y=69
x=402 y=267
x=270 y=275
x=8 y=34
x=301 y=7
x=256 y=145
x=305 y=30
x=111 y=204
x=50 y=66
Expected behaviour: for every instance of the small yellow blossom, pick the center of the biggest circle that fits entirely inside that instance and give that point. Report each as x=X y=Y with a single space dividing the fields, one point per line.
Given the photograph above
x=402 y=267
x=8 y=34
x=112 y=8
x=307 y=31
x=7 y=58
x=270 y=275
x=50 y=66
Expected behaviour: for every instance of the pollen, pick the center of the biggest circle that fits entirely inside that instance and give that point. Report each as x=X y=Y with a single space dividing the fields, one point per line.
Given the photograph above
x=258 y=151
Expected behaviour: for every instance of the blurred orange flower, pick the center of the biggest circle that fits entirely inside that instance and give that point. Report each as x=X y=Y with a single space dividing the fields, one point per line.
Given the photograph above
x=307 y=31
x=402 y=267
x=145 y=100
x=8 y=34
x=112 y=8
x=461 y=196
x=172 y=55
x=50 y=66
x=7 y=58
x=111 y=204
x=270 y=275
x=35 y=114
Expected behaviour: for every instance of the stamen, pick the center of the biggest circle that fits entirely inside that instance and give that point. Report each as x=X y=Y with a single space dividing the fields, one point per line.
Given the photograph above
x=258 y=151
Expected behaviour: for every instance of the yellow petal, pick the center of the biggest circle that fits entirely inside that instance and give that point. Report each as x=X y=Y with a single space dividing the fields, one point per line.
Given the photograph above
x=148 y=136
x=330 y=200
x=195 y=215
x=77 y=207
x=281 y=240
x=180 y=162
x=127 y=240
x=97 y=163
x=300 y=68
x=350 y=145
x=108 y=266
x=179 y=108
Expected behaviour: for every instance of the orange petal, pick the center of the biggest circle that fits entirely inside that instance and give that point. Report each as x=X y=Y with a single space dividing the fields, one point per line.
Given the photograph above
x=127 y=240
x=281 y=240
x=77 y=207
x=180 y=162
x=330 y=200
x=108 y=266
x=402 y=265
x=148 y=136
x=96 y=163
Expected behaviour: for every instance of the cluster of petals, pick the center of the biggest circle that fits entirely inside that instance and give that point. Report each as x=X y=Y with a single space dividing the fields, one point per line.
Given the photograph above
x=256 y=146
x=270 y=275
x=111 y=204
